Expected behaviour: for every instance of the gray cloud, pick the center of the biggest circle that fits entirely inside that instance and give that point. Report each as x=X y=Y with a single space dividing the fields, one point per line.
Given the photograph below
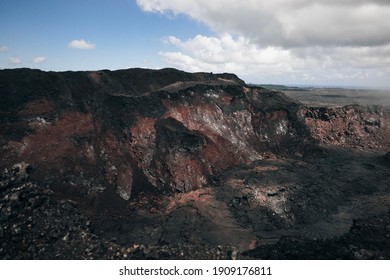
x=335 y=41
x=289 y=23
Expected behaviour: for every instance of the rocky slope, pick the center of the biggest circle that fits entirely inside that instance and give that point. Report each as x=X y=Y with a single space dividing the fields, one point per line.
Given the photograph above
x=362 y=128
x=168 y=164
x=138 y=130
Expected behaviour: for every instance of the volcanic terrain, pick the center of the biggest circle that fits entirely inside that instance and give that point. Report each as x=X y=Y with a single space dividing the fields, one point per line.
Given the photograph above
x=164 y=164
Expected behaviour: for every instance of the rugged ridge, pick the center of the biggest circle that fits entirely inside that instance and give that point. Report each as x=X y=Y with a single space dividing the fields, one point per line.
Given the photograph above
x=141 y=130
x=169 y=164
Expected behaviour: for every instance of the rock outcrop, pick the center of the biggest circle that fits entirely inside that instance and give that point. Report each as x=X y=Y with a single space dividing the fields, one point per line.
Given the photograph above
x=145 y=163
x=141 y=130
x=353 y=126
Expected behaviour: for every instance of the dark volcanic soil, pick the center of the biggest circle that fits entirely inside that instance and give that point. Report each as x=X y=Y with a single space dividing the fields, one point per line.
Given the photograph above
x=165 y=164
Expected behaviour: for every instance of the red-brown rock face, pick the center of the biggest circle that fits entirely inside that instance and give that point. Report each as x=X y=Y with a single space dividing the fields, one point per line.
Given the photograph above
x=139 y=130
x=164 y=157
x=351 y=126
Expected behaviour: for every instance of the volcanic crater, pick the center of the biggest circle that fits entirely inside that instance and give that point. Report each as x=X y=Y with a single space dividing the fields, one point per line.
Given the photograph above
x=164 y=164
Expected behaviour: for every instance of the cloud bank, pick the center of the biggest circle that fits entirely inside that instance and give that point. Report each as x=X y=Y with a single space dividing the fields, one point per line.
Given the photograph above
x=299 y=40
x=289 y=22
x=81 y=44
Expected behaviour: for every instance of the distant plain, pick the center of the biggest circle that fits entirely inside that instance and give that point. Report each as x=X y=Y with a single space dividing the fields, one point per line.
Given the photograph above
x=334 y=97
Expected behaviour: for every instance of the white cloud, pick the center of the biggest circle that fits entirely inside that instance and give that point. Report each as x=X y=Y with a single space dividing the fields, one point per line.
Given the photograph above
x=224 y=54
x=288 y=22
x=15 y=60
x=276 y=64
x=81 y=44
x=3 y=48
x=286 y=41
x=39 y=59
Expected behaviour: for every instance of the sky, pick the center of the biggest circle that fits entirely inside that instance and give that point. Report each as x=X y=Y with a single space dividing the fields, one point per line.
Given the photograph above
x=291 y=42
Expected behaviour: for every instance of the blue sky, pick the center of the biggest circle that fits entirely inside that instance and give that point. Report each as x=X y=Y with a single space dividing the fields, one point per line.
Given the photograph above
x=307 y=42
x=123 y=35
